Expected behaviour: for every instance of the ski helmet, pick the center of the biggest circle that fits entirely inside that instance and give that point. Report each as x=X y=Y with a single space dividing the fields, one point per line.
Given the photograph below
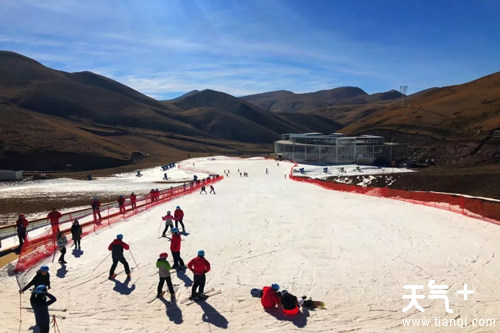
x=178 y=207
x=41 y=289
x=275 y=286
x=284 y=291
x=201 y=253
x=175 y=230
x=163 y=255
x=119 y=236
x=44 y=268
x=168 y=212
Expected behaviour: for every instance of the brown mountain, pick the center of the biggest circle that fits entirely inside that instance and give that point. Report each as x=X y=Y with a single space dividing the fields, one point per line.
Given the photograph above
x=287 y=101
x=453 y=124
x=52 y=118
x=229 y=117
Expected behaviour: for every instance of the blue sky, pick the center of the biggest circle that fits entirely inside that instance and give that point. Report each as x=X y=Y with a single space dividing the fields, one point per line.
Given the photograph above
x=164 y=48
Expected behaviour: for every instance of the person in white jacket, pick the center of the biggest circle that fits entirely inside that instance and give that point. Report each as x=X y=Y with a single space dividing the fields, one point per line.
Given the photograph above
x=61 y=242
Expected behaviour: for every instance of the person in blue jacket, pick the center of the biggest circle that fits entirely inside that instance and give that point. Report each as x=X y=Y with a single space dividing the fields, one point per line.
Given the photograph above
x=40 y=301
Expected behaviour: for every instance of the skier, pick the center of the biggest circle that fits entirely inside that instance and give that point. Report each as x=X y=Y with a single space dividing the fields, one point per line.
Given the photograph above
x=54 y=217
x=40 y=306
x=61 y=246
x=157 y=194
x=175 y=247
x=164 y=273
x=165 y=177
x=169 y=222
x=212 y=190
x=42 y=277
x=121 y=204
x=267 y=171
x=199 y=266
x=152 y=195
x=270 y=296
x=96 y=209
x=133 y=200
x=203 y=189
x=76 y=233
x=21 y=225
x=116 y=247
x=290 y=303
x=179 y=215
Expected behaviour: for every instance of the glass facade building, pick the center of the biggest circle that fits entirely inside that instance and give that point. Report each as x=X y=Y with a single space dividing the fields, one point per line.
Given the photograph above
x=335 y=148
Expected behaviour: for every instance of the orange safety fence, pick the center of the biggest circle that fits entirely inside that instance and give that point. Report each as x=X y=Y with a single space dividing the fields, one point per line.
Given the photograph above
x=483 y=209
x=41 y=243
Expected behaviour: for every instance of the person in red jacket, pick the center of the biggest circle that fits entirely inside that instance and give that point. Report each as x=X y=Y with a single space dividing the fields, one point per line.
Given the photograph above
x=178 y=216
x=116 y=248
x=54 y=217
x=121 y=204
x=133 y=200
x=96 y=209
x=270 y=297
x=21 y=225
x=175 y=247
x=199 y=266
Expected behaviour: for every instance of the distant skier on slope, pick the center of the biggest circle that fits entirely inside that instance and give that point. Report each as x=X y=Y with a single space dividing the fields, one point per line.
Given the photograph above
x=40 y=306
x=203 y=189
x=212 y=189
x=199 y=266
x=21 y=225
x=76 y=233
x=121 y=204
x=42 y=277
x=179 y=215
x=175 y=247
x=116 y=247
x=270 y=296
x=164 y=273
x=96 y=209
x=133 y=200
x=61 y=242
x=54 y=217
x=169 y=222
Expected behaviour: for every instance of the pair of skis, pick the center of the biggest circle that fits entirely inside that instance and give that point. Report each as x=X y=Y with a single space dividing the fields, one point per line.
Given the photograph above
x=209 y=293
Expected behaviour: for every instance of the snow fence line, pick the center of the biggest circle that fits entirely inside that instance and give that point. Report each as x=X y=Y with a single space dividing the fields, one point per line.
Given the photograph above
x=43 y=244
x=478 y=208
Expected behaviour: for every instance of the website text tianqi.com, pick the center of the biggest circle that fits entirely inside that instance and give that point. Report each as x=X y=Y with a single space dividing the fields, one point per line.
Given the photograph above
x=439 y=292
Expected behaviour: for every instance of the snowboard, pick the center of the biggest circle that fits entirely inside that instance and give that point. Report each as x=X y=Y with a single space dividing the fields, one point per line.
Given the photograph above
x=256 y=292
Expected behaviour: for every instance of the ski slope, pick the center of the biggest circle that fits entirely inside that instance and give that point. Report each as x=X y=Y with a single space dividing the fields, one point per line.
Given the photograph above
x=351 y=251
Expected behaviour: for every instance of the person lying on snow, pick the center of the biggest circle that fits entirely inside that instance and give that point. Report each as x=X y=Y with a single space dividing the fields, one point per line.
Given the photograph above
x=270 y=296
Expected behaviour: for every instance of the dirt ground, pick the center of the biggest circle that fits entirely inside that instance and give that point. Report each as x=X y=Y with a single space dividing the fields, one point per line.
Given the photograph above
x=481 y=181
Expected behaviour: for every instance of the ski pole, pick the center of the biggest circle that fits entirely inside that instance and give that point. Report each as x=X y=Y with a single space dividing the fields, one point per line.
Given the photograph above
x=20 y=312
x=136 y=265
x=101 y=262
x=159 y=227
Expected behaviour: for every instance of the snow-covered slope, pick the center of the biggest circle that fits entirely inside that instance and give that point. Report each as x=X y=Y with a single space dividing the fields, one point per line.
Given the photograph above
x=351 y=251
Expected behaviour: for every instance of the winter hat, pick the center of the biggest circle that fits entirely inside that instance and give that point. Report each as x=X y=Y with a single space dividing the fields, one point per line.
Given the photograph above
x=175 y=230
x=44 y=268
x=178 y=207
x=275 y=286
x=168 y=212
x=41 y=289
x=201 y=253
x=284 y=292
x=119 y=236
x=163 y=255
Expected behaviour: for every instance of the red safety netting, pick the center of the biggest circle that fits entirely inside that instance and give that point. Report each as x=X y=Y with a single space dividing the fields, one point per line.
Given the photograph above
x=473 y=207
x=40 y=243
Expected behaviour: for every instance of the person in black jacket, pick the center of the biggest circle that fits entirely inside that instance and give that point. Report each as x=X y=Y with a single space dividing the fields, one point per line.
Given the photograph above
x=40 y=306
x=42 y=277
x=290 y=303
x=76 y=233
x=116 y=248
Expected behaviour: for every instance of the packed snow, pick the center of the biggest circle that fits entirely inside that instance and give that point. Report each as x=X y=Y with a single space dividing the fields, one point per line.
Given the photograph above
x=351 y=251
